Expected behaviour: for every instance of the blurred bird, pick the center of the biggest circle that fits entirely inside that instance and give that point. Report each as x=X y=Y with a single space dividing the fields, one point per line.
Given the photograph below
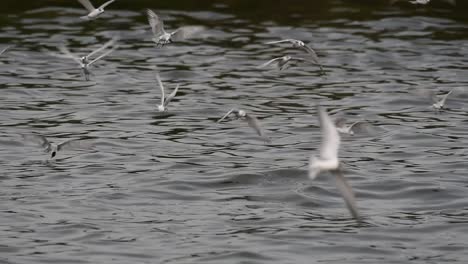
x=161 y=37
x=42 y=142
x=4 y=49
x=328 y=161
x=440 y=103
x=252 y=121
x=282 y=62
x=93 y=12
x=85 y=61
x=342 y=127
x=165 y=100
x=301 y=45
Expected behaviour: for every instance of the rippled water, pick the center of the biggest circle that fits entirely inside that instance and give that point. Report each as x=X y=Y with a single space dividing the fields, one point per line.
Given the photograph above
x=179 y=188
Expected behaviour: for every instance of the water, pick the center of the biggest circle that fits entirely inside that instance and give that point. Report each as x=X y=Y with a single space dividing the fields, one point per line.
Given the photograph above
x=179 y=188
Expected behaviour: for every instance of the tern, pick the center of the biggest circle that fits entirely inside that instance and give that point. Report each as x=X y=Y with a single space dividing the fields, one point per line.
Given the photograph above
x=252 y=121
x=85 y=61
x=301 y=45
x=328 y=160
x=342 y=127
x=165 y=100
x=4 y=49
x=440 y=103
x=48 y=147
x=93 y=12
x=282 y=62
x=161 y=37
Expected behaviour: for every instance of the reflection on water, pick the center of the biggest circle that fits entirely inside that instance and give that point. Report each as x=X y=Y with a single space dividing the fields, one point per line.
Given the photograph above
x=177 y=187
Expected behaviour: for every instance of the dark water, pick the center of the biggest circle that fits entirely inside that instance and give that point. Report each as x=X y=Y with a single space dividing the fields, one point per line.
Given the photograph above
x=179 y=188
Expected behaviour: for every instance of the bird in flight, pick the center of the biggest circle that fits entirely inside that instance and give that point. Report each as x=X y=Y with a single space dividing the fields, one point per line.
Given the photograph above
x=328 y=160
x=252 y=121
x=301 y=45
x=165 y=100
x=48 y=147
x=93 y=12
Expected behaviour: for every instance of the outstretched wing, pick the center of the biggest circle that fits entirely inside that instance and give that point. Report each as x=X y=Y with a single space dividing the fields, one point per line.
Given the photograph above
x=226 y=115
x=278 y=41
x=87 y=4
x=186 y=32
x=170 y=96
x=156 y=23
x=76 y=144
x=347 y=193
x=107 y=44
x=270 y=62
x=106 y=4
x=444 y=98
x=67 y=52
x=103 y=55
x=161 y=86
x=39 y=140
x=253 y=122
x=330 y=136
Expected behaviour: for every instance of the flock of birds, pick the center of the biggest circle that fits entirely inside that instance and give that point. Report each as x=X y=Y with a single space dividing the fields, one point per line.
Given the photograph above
x=327 y=160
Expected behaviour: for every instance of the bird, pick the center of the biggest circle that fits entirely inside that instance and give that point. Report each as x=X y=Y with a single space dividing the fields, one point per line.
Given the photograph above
x=282 y=62
x=165 y=100
x=85 y=61
x=252 y=121
x=48 y=147
x=301 y=45
x=440 y=103
x=161 y=37
x=93 y=12
x=342 y=127
x=328 y=160
x=4 y=49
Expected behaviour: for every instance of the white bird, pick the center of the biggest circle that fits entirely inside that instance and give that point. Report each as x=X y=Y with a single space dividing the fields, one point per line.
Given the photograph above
x=282 y=62
x=85 y=61
x=252 y=121
x=161 y=37
x=301 y=45
x=440 y=103
x=4 y=49
x=42 y=142
x=328 y=160
x=93 y=12
x=165 y=100
x=342 y=127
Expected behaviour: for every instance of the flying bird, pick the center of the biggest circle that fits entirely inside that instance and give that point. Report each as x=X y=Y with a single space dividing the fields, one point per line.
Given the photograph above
x=161 y=37
x=342 y=127
x=48 y=147
x=4 y=49
x=328 y=160
x=165 y=100
x=252 y=121
x=93 y=12
x=440 y=103
x=282 y=62
x=301 y=45
x=85 y=61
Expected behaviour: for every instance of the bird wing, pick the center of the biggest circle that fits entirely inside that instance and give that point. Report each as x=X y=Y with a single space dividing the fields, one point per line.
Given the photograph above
x=39 y=140
x=186 y=32
x=161 y=86
x=170 y=96
x=253 y=122
x=347 y=193
x=444 y=98
x=226 y=115
x=330 y=136
x=156 y=23
x=76 y=144
x=270 y=62
x=106 y=4
x=4 y=49
x=278 y=41
x=87 y=4
x=107 y=44
x=103 y=55
x=67 y=52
